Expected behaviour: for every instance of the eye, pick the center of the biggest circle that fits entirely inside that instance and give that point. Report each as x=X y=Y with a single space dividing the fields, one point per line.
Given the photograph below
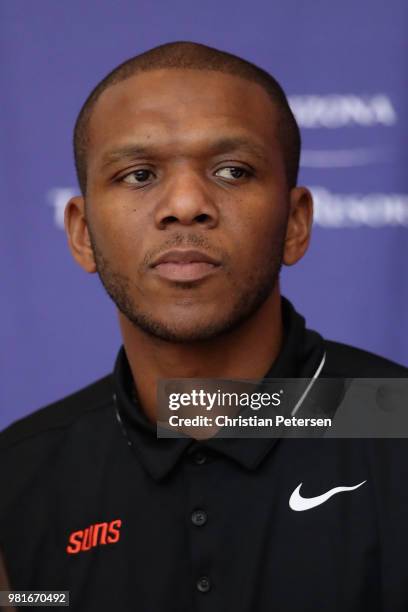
x=137 y=176
x=234 y=172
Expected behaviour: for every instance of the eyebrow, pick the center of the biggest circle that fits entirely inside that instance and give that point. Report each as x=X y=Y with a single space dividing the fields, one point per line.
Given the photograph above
x=222 y=145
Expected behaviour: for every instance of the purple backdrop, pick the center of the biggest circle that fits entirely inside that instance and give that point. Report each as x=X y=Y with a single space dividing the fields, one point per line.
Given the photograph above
x=344 y=68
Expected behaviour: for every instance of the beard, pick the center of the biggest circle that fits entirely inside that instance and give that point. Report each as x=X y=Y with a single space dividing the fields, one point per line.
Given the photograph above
x=247 y=296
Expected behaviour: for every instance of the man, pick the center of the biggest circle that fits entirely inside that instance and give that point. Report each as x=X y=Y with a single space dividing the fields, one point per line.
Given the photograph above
x=187 y=160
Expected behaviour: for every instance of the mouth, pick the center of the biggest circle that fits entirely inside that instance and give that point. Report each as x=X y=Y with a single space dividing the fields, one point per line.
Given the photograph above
x=180 y=265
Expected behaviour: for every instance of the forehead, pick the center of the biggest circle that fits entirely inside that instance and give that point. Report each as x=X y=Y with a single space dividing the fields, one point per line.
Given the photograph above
x=181 y=109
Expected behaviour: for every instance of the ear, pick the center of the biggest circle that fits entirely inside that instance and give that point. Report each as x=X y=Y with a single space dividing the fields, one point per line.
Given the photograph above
x=299 y=225
x=76 y=229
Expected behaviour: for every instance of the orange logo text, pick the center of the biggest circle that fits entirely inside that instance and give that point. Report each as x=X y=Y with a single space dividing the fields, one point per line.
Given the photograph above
x=94 y=535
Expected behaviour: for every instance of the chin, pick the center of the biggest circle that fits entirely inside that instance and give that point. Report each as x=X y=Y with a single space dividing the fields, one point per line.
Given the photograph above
x=181 y=329
x=186 y=333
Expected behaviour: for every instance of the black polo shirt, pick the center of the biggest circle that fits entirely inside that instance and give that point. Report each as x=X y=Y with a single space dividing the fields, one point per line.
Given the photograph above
x=94 y=503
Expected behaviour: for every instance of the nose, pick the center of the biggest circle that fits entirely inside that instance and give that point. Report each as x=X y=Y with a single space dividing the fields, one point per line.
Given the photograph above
x=186 y=200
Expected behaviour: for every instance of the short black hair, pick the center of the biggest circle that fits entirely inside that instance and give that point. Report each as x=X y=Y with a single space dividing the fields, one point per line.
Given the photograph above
x=191 y=55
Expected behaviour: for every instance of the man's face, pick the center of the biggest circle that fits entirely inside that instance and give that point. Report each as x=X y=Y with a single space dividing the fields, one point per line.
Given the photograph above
x=183 y=160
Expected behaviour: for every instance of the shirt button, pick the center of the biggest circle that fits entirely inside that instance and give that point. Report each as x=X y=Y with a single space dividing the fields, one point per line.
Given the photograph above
x=203 y=584
x=199 y=518
x=199 y=457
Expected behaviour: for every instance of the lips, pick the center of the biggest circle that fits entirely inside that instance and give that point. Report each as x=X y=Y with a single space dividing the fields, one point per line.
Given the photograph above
x=183 y=256
x=185 y=265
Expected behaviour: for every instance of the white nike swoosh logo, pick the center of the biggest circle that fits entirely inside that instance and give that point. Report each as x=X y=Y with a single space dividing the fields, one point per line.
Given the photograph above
x=299 y=503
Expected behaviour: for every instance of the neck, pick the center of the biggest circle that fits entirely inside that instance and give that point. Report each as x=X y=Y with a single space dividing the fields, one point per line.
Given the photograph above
x=246 y=352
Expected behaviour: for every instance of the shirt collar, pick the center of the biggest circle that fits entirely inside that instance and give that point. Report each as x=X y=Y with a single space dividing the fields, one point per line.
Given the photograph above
x=301 y=352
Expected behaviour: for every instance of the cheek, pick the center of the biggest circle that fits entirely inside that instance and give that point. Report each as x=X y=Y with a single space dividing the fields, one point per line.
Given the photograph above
x=121 y=232
x=260 y=231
